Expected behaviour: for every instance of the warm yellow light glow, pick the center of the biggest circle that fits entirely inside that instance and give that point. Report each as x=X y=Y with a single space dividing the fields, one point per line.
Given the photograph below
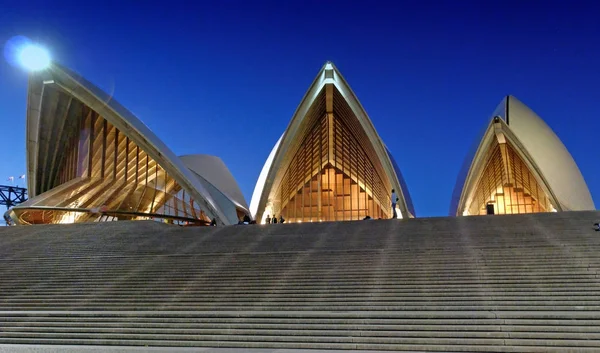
x=67 y=218
x=508 y=184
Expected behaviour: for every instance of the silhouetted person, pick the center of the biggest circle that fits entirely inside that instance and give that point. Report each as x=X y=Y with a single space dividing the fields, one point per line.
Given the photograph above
x=7 y=219
x=597 y=225
x=268 y=220
x=274 y=220
x=367 y=218
x=246 y=219
x=213 y=223
x=281 y=219
x=394 y=201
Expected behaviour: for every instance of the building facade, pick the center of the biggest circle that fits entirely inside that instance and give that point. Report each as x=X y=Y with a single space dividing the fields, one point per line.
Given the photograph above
x=90 y=159
x=330 y=164
x=519 y=165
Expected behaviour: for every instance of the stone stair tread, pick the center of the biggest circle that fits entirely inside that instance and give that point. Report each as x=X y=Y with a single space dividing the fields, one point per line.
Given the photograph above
x=522 y=283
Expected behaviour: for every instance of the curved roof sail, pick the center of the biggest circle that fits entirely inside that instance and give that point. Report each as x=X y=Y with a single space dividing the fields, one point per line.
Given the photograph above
x=85 y=151
x=519 y=165
x=329 y=136
x=213 y=170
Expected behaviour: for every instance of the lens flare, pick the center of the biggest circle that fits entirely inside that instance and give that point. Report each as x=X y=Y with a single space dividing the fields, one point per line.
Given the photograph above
x=22 y=52
x=34 y=58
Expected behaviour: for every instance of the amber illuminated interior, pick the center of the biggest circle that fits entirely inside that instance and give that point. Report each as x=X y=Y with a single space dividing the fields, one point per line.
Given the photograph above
x=332 y=173
x=508 y=185
x=96 y=167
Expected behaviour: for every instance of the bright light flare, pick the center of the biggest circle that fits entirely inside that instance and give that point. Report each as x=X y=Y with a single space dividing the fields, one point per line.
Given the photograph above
x=34 y=58
x=21 y=51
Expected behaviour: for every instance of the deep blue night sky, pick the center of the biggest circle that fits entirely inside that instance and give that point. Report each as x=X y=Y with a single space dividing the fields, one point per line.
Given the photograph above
x=224 y=77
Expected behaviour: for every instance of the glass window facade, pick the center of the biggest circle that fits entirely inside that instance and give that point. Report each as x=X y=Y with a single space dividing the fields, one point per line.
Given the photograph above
x=96 y=172
x=508 y=185
x=334 y=173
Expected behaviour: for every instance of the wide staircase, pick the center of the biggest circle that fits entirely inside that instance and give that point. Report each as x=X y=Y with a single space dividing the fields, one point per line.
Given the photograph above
x=519 y=283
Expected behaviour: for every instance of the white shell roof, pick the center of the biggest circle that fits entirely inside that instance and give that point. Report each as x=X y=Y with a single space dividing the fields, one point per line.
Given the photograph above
x=267 y=175
x=546 y=151
x=550 y=155
x=214 y=170
x=121 y=118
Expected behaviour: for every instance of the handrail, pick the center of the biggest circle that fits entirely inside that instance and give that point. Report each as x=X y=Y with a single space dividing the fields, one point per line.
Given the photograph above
x=111 y=212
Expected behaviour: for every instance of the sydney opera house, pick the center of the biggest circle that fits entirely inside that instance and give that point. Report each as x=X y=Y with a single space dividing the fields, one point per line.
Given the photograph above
x=90 y=159
x=519 y=165
x=330 y=164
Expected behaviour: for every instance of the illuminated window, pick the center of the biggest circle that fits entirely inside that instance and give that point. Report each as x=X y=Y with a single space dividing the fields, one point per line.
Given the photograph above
x=508 y=185
x=99 y=167
x=333 y=173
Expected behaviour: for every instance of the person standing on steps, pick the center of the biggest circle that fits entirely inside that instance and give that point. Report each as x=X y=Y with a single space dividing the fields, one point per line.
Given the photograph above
x=394 y=201
x=281 y=219
x=246 y=219
x=268 y=220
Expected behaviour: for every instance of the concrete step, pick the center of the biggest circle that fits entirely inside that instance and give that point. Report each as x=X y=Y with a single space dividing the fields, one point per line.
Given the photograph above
x=312 y=342
x=292 y=297
x=369 y=317
x=480 y=325
x=353 y=271
x=524 y=283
